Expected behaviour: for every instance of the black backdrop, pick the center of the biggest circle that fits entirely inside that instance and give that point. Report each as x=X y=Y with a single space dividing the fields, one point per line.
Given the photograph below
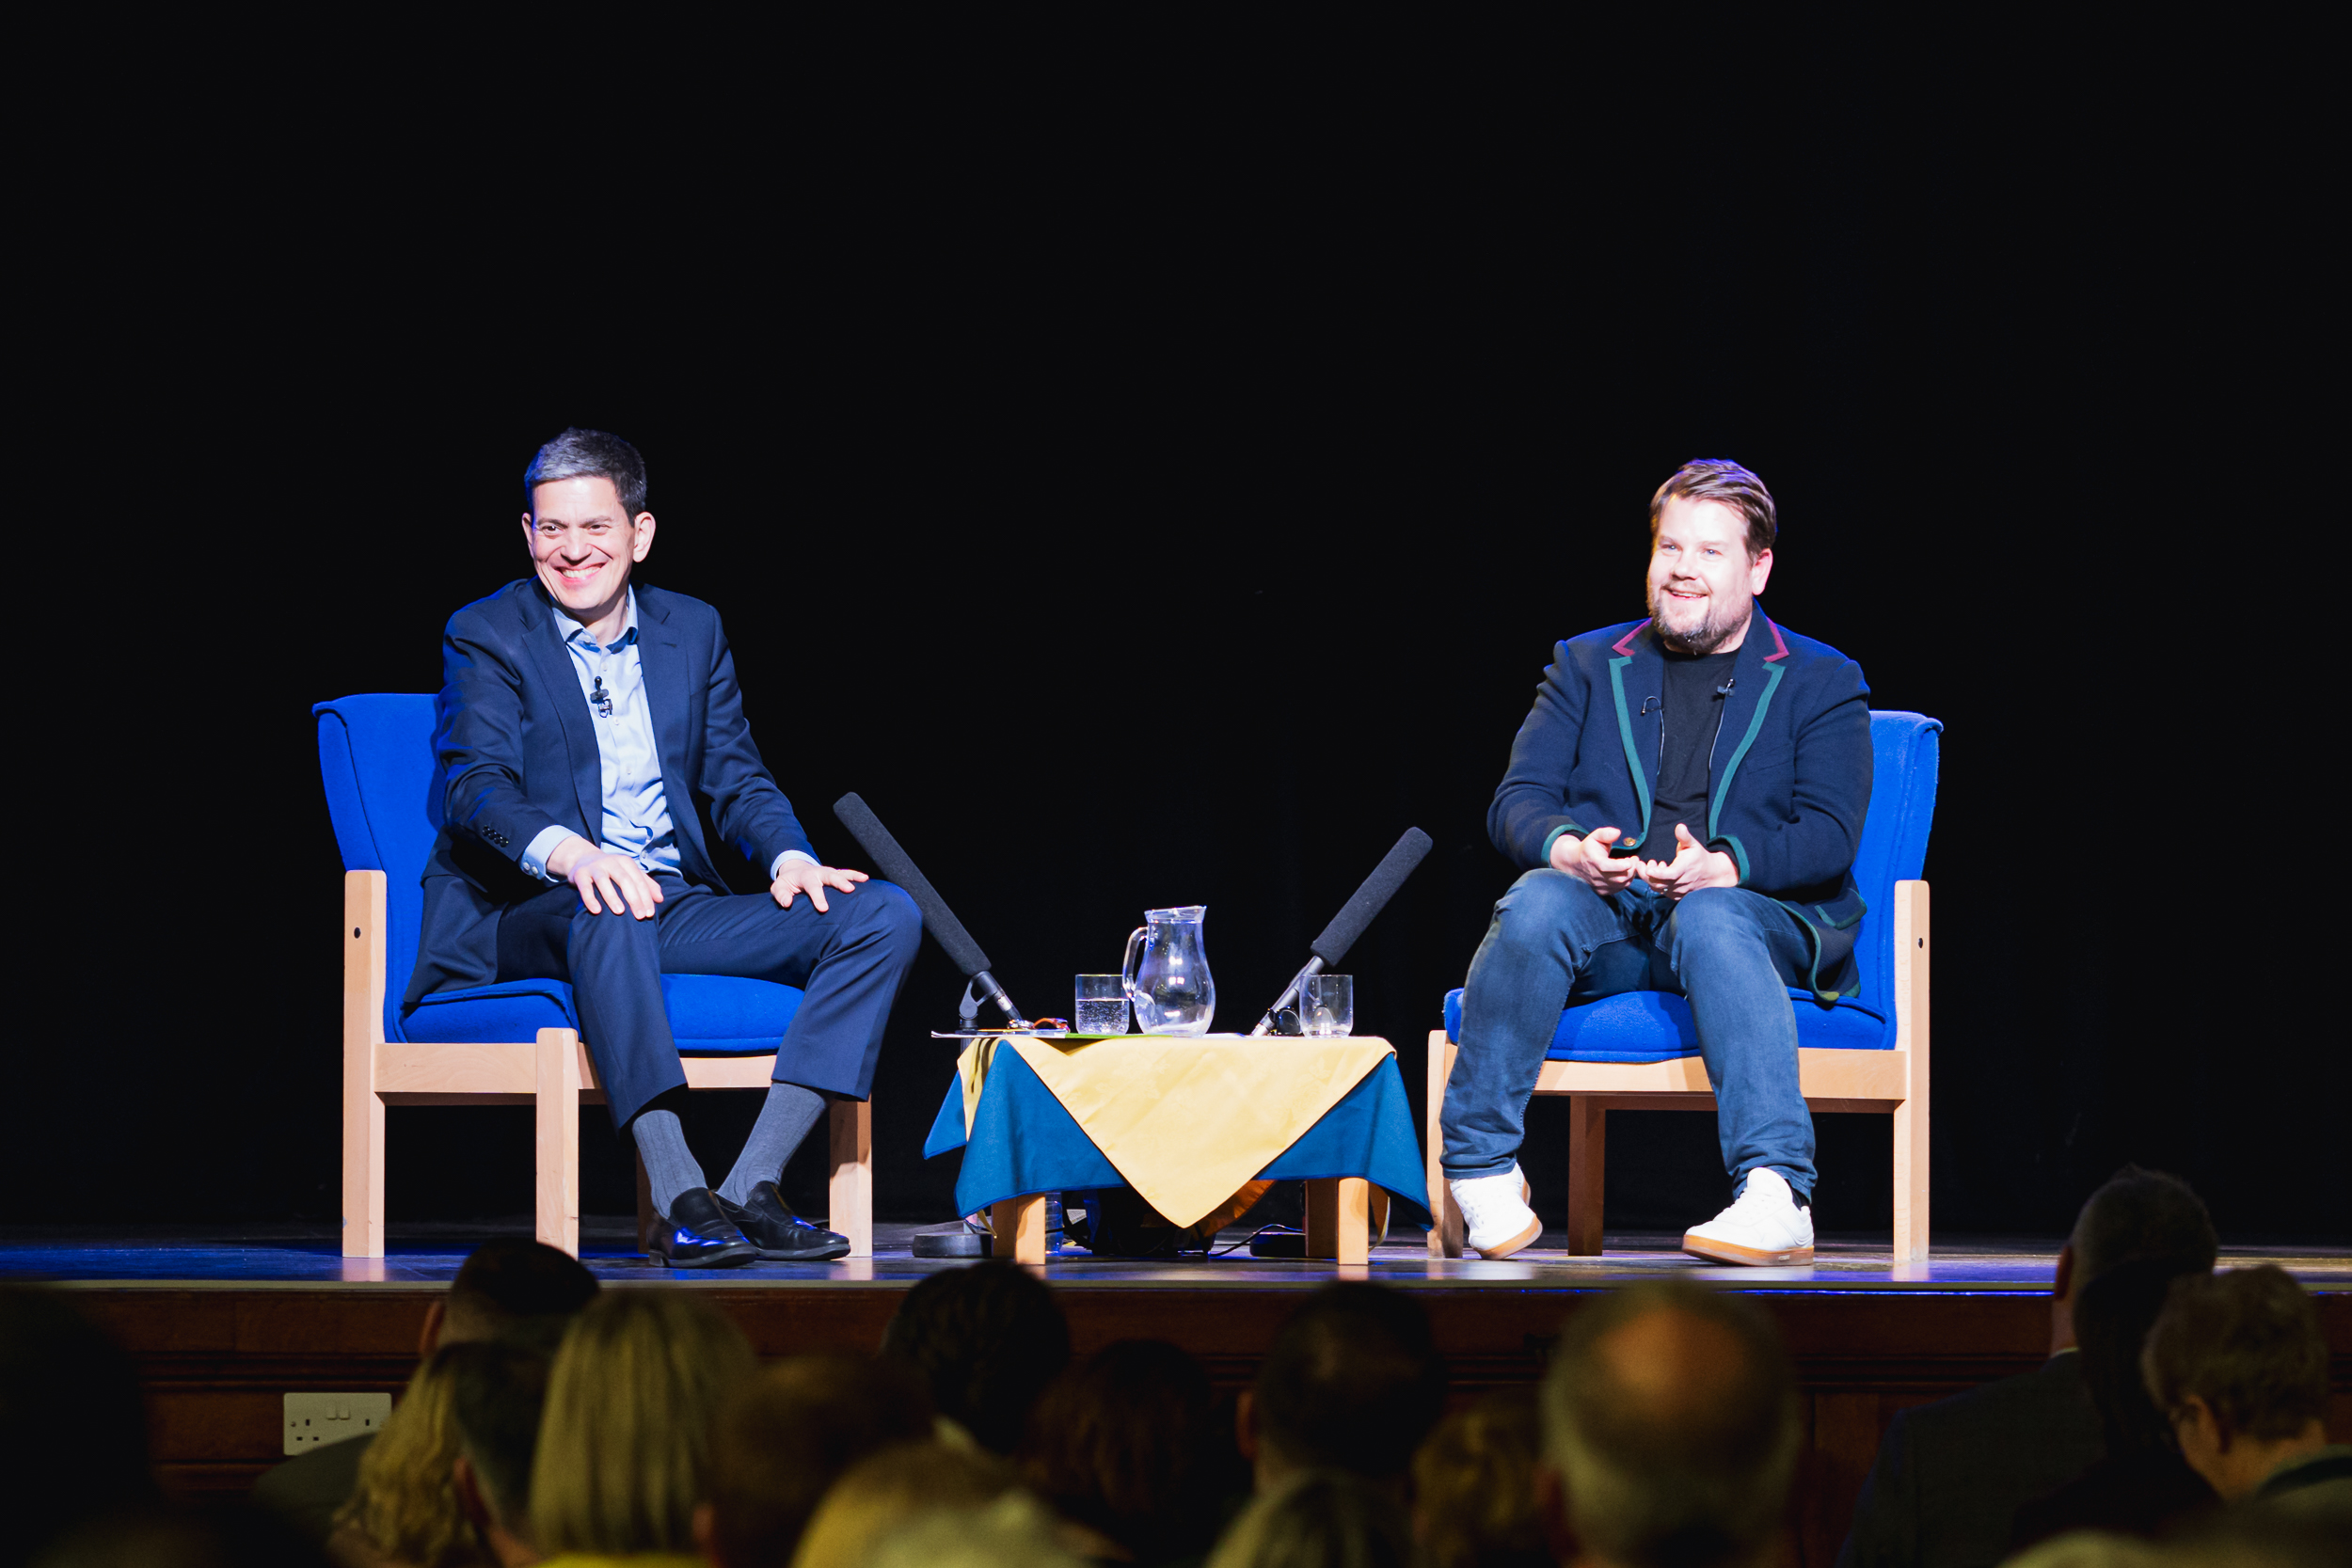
x=1178 y=523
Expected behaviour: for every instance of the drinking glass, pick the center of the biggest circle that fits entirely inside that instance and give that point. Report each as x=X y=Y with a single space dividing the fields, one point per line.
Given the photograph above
x=1101 y=1004
x=1327 y=1004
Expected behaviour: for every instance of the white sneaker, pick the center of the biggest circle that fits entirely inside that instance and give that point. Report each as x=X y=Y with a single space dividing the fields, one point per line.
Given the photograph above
x=1496 y=1220
x=1764 y=1227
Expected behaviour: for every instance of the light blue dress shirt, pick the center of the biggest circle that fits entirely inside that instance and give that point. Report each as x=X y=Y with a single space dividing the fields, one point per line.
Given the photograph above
x=637 y=821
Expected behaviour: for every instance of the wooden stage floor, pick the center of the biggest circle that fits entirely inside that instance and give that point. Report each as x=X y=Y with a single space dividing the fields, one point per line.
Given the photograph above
x=279 y=1255
x=222 y=1322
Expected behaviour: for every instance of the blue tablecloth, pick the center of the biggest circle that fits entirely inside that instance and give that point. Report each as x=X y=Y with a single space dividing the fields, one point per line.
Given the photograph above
x=1025 y=1141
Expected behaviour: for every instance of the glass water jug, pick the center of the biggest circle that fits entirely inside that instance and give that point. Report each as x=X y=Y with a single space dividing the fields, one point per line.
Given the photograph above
x=1167 y=973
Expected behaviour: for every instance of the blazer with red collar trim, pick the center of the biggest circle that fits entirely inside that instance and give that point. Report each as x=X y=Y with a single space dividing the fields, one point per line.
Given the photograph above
x=1788 y=777
x=516 y=750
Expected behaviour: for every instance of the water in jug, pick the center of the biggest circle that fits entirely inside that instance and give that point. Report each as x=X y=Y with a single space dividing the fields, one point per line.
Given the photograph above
x=1168 y=973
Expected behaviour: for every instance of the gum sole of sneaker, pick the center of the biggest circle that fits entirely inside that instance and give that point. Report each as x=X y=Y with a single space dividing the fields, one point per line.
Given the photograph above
x=1534 y=1228
x=1727 y=1252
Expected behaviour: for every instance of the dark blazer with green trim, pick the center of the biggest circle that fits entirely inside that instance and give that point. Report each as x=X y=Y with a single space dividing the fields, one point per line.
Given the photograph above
x=1789 y=778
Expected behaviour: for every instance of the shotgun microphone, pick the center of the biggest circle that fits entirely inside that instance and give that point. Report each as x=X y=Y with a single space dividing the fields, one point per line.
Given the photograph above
x=938 y=919
x=1353 y=915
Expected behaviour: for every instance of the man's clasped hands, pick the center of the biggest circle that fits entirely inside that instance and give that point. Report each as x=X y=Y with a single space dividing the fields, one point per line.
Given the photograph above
x=1693 y=867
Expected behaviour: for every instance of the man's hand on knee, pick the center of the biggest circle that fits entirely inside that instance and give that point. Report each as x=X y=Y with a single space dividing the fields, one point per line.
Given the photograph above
x=621 y=881
x=1693 y=867
x=797 y=877
x=1587 y=859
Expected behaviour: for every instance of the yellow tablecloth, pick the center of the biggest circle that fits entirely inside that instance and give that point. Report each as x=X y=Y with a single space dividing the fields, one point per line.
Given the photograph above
x=1186 y=1121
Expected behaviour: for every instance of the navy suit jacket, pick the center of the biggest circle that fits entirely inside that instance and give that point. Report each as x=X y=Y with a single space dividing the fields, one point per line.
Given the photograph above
x=1789 y=778
x=517 y=753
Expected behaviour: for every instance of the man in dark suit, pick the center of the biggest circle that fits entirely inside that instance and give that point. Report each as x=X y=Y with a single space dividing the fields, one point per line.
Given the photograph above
x=1687 y=795
x=1952 y=1476
x=590 y=736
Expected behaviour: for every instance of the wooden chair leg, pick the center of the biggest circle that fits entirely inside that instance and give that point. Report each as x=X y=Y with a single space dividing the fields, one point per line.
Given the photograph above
x=363 y=1032
x=852 y=1186
x=363 y=1159
x=1913 y=951
x=1588 y=1161
x=1019 y=1225
x=1911 y=1182
x=1338 y=1219
x=1445 y=1228
x=556 y=1110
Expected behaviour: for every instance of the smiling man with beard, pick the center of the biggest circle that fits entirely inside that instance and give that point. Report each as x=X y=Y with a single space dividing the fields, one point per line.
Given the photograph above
x=1689 y=792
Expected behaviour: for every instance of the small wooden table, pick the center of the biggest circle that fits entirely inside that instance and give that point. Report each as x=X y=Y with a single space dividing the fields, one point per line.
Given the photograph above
x=1345 y=1136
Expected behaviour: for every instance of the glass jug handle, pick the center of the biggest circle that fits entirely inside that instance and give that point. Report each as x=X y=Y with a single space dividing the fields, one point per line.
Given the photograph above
x=1127 y=965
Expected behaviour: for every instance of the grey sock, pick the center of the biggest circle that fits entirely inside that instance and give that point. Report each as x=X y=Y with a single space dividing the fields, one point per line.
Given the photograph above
x=670 y=1167
x=784 y=1121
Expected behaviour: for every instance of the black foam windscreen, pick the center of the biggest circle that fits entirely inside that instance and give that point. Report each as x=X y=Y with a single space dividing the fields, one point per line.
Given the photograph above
x=893 y=863
x=1372 y=897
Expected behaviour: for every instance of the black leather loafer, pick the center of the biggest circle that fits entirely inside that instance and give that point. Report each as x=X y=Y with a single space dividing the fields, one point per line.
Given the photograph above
x=698 y=1234
x=781 y=1235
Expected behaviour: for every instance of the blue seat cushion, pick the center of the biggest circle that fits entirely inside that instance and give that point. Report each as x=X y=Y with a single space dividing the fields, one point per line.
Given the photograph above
x=1655 y=1026
x=711 y=1015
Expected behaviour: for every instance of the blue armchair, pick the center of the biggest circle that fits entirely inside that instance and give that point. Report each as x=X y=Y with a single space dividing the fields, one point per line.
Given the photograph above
x=516 y=1042
x=1639 y=1051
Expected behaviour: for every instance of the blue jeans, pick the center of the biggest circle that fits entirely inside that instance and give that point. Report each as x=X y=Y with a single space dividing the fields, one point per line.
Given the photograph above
x=1554 y=942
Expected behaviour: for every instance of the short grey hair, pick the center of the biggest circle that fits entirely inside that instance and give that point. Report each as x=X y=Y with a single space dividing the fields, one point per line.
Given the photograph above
x=1686 y=1477
x=2143 y=1214
x=2248 y=1343
x=588 y=455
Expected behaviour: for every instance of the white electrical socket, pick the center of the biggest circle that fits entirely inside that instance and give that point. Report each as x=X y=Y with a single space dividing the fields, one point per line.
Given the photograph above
x=314 y=1420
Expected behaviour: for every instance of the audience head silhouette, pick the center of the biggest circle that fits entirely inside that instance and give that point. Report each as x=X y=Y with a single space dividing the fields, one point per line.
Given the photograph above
x=1353 y=1382
x=71 y=1421
x=1014 y=1531
x=2148 y=1231
x=405 y=1508
x=497 y=1394
x=525 y=1292
x=1671 y=1424
x=1475 y=1486
x=2143 y=1215
x=987 y=1340
x=2112 y=1319
x=787 y=1437
x=1127 y=1445
x=625 y=1443
x=2239 y=1364
x=894 y=1489
x=1319 y=1519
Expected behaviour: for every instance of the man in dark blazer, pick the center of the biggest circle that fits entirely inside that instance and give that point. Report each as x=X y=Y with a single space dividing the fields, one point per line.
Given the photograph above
x=1688 y=793
x=590 y=736
x=1952 y=1476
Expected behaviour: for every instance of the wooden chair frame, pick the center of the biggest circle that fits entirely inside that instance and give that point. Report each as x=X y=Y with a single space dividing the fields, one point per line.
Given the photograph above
x=1880 y=1082
x=553 y=1072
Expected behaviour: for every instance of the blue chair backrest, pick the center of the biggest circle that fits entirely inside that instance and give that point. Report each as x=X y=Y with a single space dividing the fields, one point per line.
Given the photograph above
x=383 y=794
x=1904 y=752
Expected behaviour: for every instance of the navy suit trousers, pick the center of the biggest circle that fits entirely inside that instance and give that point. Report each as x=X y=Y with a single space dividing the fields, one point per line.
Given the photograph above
x=849 y=961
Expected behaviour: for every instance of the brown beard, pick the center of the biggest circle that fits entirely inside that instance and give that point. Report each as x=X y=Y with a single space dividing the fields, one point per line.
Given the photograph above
x=1705 y=639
